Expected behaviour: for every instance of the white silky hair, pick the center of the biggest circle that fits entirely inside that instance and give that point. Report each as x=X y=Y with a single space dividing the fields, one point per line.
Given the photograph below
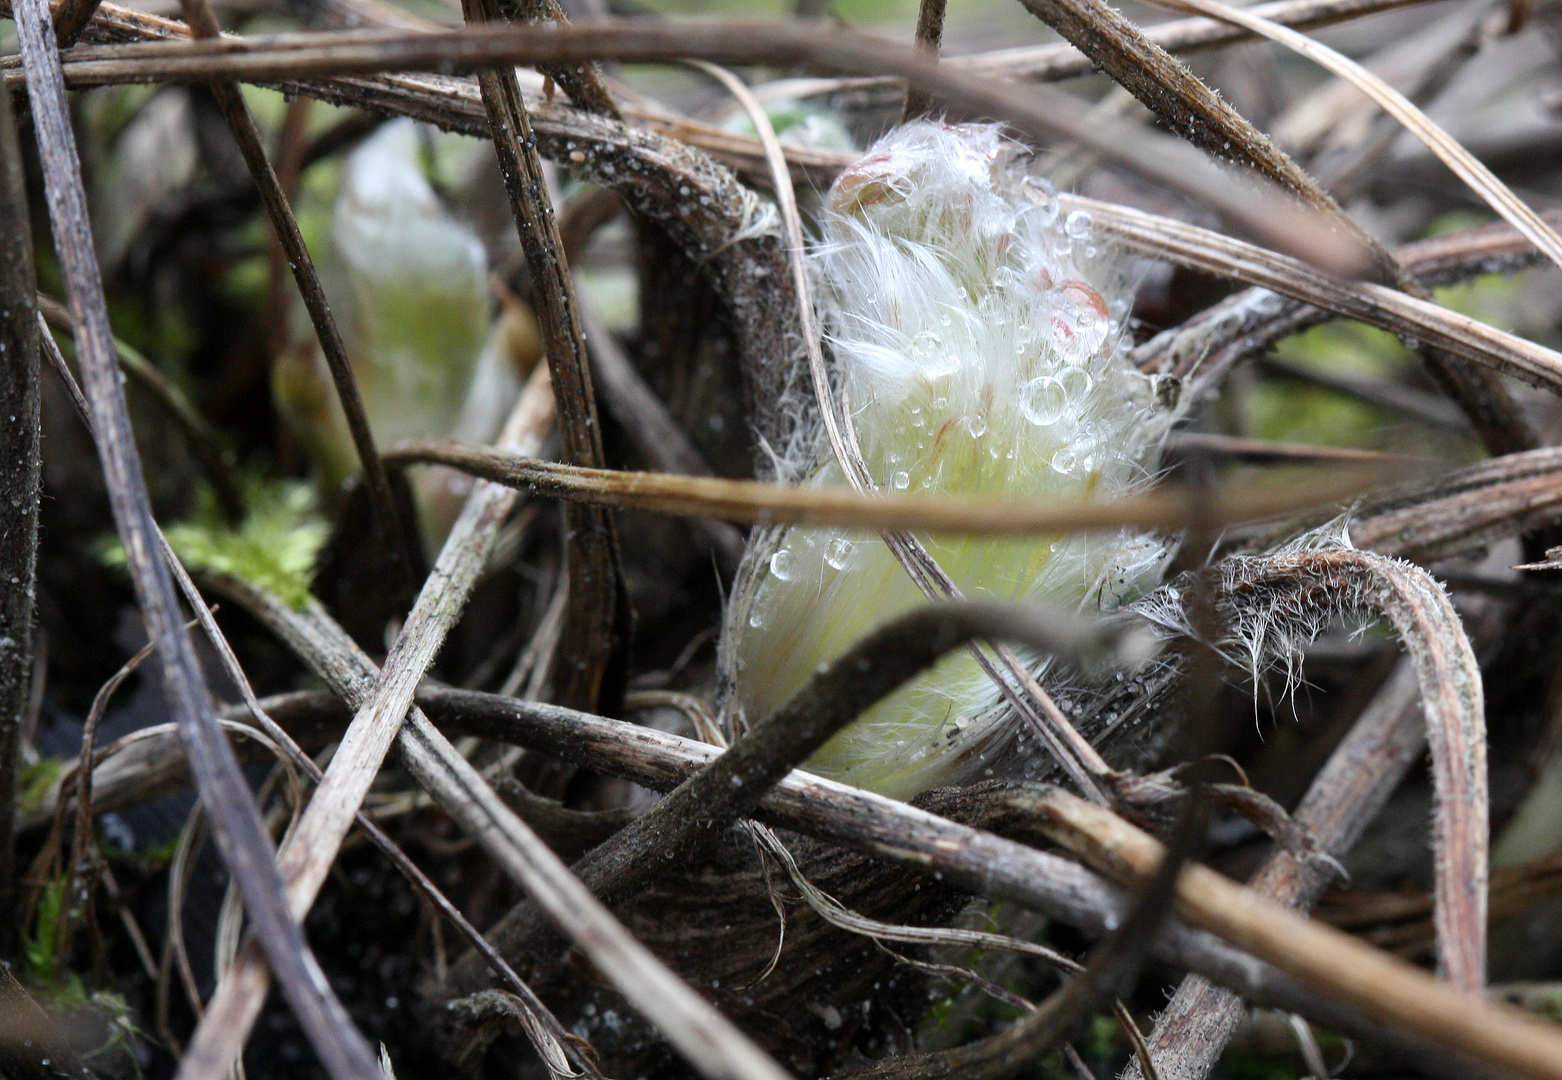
x=977 y=335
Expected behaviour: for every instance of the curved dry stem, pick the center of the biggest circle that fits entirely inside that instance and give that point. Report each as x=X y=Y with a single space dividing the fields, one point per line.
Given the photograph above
x=1276 y=596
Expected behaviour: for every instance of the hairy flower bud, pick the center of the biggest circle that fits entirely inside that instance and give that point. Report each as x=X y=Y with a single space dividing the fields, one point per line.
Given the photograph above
x=978 y=343
x=410 y=292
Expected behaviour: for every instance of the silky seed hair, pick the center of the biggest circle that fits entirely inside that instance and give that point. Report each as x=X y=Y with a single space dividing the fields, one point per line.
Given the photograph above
x=977 y=337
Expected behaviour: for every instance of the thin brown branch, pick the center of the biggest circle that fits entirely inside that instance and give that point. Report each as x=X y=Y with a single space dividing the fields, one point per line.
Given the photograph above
x=581 y=81
x=241 y=833
x=590 y=660
x=752 y=502
x=1206 y=346
x=1394 y=311
x=930 y=39
x=19 y=495
x=1037 y=111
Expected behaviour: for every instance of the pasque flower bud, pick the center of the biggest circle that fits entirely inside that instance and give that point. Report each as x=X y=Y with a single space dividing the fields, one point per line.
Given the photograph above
x=409 y=287
x=977 y=337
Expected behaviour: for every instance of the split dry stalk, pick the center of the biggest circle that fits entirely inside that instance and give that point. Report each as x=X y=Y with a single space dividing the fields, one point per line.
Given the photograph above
x=709 y=1041
x=306 y=858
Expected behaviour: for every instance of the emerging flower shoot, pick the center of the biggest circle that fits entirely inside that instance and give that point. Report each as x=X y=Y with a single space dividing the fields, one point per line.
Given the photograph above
x=410 y=291
x=978 y=344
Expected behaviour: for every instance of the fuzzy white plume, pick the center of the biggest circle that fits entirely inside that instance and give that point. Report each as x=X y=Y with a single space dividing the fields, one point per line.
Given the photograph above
x=978 y=344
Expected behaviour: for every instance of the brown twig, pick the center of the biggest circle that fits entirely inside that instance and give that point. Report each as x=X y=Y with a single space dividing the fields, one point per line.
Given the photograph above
x=242 y=838
x=590 y=660
x=1037 y=111
x=750 y=501
x=19 y=495
x=582 y=81
x=929 y=38
x=1204 y=348
x=1395 y=311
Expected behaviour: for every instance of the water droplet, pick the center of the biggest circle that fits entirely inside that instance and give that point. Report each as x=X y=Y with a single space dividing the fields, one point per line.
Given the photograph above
x=976 y=424
x=1064 y=460
x=781 y=565
x=1076 y=382
x=838 y=552
x=1077 y=224
x=901 y=481
x=1042 y=400
x=754 y=620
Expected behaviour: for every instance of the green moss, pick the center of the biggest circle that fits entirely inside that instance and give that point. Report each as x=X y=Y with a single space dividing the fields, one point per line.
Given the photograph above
x=36 y=780
x=41 y=946
x=275 y=547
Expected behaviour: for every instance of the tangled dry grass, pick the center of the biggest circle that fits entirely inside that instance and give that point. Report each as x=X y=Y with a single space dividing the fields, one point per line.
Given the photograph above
x=503 y=675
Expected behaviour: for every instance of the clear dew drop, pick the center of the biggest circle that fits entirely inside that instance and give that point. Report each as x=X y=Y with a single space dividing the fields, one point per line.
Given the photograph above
x=1077 y=224
x=901 y=481
x=1042 y=400
x=781 y=565
x=1076 y=382
x=976 y=424
x=1064 y=460
x=838 y=552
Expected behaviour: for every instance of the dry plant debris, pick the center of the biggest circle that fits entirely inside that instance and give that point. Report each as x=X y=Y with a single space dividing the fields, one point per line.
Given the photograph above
x=569 y=444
